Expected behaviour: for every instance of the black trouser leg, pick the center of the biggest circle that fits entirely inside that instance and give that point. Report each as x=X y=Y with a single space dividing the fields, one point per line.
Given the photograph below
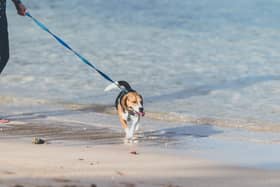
x=4 y=49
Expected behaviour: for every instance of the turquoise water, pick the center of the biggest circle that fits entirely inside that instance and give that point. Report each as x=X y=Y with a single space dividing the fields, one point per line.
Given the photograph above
x=212 y=61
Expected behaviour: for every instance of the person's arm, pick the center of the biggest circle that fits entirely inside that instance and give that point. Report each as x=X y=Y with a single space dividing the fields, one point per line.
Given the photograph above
x=20 y=7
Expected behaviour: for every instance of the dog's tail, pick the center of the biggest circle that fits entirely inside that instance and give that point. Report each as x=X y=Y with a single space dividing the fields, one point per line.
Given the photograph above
x=123 y=85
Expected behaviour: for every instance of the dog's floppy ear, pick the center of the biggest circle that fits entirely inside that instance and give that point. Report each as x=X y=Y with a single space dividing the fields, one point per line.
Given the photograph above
x=123 y=102
x=141 y=99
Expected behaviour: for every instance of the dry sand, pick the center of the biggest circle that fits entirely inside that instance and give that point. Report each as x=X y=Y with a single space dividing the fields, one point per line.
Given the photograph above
x=25 y=164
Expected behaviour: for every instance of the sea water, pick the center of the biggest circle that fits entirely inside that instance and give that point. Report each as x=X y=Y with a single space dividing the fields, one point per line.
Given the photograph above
x=196 y=63
x=209 y=61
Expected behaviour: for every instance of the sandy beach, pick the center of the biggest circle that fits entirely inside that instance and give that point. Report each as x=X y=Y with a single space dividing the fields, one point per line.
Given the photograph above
x=51 y=165
x=24 y=164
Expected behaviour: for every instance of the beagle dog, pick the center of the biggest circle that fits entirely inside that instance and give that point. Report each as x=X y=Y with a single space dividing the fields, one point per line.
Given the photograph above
x=129 y=105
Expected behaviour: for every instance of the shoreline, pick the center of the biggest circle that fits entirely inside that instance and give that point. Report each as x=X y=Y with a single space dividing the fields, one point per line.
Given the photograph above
x=85 y=148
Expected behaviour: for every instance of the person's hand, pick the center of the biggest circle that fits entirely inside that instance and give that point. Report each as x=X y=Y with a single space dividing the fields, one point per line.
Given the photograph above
x=21 y=9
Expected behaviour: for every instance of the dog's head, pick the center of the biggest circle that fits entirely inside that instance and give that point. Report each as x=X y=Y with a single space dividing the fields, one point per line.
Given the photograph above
x=132 y=101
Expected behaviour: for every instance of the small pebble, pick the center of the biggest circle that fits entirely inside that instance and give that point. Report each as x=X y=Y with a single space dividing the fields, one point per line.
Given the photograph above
x=133 y=153
x=37 y=140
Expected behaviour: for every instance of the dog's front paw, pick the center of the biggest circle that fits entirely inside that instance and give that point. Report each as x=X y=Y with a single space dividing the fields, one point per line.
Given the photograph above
x=128 y=134
x=137 y=128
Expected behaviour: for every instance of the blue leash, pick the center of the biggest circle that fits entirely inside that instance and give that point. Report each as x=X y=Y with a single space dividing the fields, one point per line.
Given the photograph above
x=42 y=26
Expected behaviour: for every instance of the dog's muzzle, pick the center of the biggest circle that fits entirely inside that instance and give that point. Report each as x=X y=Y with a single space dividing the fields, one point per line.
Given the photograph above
x=141 y=112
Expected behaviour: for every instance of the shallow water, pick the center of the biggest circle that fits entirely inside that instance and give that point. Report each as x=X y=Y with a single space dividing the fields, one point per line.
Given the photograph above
x=211 y=61
x=206 y=59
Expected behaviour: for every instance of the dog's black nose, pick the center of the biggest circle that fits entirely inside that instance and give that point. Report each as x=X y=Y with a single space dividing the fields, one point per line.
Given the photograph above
x=141 y=109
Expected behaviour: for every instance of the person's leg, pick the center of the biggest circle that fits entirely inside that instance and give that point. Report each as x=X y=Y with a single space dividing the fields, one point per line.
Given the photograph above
x=4 y=49
x=4 y=56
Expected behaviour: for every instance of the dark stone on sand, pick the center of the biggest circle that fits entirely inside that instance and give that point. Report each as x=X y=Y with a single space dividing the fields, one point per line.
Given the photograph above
x=133 y=153
x=93 y=185
x=37 y=140
x=18 y=185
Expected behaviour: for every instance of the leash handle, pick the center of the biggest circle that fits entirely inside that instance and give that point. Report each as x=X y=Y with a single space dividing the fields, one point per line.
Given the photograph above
x=63 y=43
